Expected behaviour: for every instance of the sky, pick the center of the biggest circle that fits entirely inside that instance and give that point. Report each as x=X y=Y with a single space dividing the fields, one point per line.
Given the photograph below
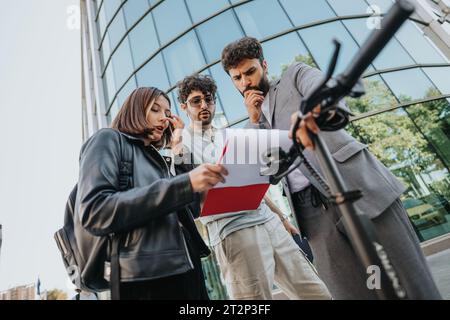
x=40 y=135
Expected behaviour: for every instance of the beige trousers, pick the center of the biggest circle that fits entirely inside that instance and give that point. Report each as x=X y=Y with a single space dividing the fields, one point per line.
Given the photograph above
x=251 y=260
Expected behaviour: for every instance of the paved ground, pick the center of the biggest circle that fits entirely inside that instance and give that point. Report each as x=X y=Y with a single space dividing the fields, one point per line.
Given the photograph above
x=440 y=267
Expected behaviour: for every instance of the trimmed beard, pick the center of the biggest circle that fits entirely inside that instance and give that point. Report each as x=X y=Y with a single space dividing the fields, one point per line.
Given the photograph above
x=263 y=85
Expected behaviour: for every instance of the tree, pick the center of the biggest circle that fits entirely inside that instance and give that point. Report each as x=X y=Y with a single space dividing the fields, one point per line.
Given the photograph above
x=56 y=294
x=401 y=139
x=307 y=59
x=410 y=141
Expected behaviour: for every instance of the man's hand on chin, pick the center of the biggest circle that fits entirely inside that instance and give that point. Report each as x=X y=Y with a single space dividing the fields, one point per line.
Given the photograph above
x=253 y=100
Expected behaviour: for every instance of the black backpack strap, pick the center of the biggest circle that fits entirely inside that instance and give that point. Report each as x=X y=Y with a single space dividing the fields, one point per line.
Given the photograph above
x=115 y=268
x=125 y=183
x=126 y=164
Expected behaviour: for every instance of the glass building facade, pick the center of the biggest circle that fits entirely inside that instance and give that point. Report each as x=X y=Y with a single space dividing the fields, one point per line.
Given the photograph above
x=404 y=117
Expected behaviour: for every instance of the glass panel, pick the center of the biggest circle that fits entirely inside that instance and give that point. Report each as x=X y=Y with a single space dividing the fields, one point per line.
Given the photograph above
x=110 y=83
x=113 y=111
x=116 y=30
x=232 y=100
x=417 y=44
x=409 y=85
x=306 y=11
x=201 y=9
x=97 y=3
x=134 y=9
x=378 y=96
x=349 y=7
x=110 y=7
x=250 y=15
x=358 y=29
x=384 y=5
x=319 y=41
x=153 y=74
x=106 y=49
x=171 y=19
x=126 y=91
x=278 y=60
x=186 y=49
x=212 y=44
x=122 y=63
x=440 y=77
x=433 y=120
x=102 y=21
x=393 y=55
x=143 y=40
x=397 y=142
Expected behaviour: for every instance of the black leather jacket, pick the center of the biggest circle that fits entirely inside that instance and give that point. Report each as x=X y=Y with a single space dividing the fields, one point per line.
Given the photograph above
x=150 y=215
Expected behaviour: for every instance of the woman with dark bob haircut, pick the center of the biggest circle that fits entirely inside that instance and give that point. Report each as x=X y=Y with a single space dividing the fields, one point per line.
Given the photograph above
x=160 y=248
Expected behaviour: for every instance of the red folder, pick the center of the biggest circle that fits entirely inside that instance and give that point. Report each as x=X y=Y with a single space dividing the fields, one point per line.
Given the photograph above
x=237 y=197
x=233 y=199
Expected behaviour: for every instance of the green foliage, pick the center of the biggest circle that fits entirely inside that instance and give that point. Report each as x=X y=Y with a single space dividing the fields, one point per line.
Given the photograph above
x=56 y=294
x=307 y=59
x=401 y=138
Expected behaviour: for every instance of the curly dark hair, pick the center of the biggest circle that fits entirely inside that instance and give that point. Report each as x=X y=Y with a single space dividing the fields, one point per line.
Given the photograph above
x=202 y=83
x=244 y=48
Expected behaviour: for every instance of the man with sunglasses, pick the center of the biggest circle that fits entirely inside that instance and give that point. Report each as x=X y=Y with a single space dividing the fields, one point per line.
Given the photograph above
x=254 y=249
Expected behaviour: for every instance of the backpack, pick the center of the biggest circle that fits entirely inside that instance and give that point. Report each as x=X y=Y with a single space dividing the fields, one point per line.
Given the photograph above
x=86 y=270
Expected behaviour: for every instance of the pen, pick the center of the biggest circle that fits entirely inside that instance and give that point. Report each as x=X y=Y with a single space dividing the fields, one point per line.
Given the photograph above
x=223 y=152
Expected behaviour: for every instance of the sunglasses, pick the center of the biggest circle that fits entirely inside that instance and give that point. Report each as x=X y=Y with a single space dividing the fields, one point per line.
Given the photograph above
x=196 y=102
